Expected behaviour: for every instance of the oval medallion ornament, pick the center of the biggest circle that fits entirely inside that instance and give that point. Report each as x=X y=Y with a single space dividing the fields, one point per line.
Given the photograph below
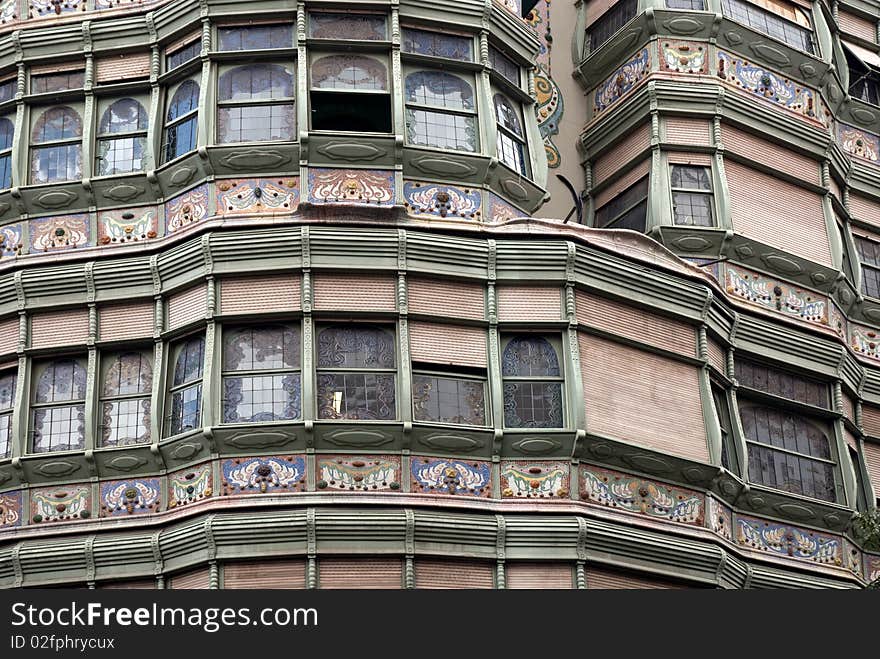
x=808 y=70
x=56 y=199
x=872 y=314
x=692 y=243
x=182 y=176
x=733 y=38
x=537 y=446
x=123 y=192
x=649 y=463
x=453 y=442
x=433 y=165
x=683 y=26
x=771 y=54
x=255 y=159
x=186 y=451
x=125 y=463
x=515 y=189
x=4 y=208
x=782 y=264
x=358 y=438
x=795 y=510
x=260 y=439
x=351 y=151
x=58 y=468
x=862 y=115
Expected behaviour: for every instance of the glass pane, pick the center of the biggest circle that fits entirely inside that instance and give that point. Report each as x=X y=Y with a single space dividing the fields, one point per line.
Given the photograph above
x=261 y=398
x=5 y=435
x=782 y=429
x=691 y=178
x=364 y=396
x=622 y=202
x=436 y=44
x=188 y=366
x=181 y=139
x=7 y=391
x=121 y=156
x=5 y=171
x=507 y=115
x=610 y=22
x=533 y=404
x=791 y=473
x=62 y=380
x=184 y=55
x=256 y=82
x=125 y=116
x=512 y=152
x=61 y=123
x=256 y=37
x=781 y=383
x=255 y=123
x=131 y=373
x=349 y=72
x=251 y=349
x=125 y=422
x=57 y=82
x=503 y=65
x=186 y=408
x=698 y=5
x=50 y=164
x=787 y=22
x=59 y=428
x=7 y=131
x=8 y=90
x=692 y=209
x=366 y=27
x=355 y=347
x=184 y=101
x=529 y=356
x=448 y=400
x=439 y=89
x=441 y=130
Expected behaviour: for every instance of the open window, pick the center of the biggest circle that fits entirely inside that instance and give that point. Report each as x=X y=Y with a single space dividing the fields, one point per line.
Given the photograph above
x=864 y=73
x=350 y=93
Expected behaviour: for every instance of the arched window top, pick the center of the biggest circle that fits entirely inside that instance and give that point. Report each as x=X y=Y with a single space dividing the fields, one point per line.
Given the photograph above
x=785 y=9
x=440 y=89
x=349 y=72
x=256 y=81
x=527 y=356
x=129 y=373
x=61 y=380
x=259 y=348
x=7 y=130
x=505 y=113
x=59 y=123
x=184 y=101
x=355 y=347
x=124 y=116
x=188 y=366
x=786 y=430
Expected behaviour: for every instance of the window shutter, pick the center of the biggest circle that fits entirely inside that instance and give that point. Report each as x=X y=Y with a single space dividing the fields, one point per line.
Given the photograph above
x=126 y=321
x=355 y=292
x=360 y=573
x=603 y=579
x=199 y=579
x=125 y=66
x=637 y=173
x=539 y=575
x=529 y=303
x=453 y=299
x=621 y=154
x=447 y=344
x=187 y=307
x=60 y=328
x=260 y=294
x=441 y=573
x=8 y=336
x=281 y=574
x=683 y=130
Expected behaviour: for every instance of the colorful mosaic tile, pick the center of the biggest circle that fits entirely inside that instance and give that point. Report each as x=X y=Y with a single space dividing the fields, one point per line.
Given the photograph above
x=858 y=142
x=367 y=473
x=442 y=200
x=10 y=509
x=549 y=106
x=500 y=210
x=684 y=57
x=61 y=232
x=63 y=503
x=864 y=341
x=535 y=480
x=450 y=476
x=8 y=11
x=872 y=567
x=351 y=186
x=130 y=497
x=52 y=8
x=512 y=5
x=10 y=241
x=129 y=226
x=621 y=81
x=785 y=540
x=637 y=495
x=186 y=209
x=852 y=557
x=836 y=320
x=190 y=485
x=264 y=474
x=775 y=295
x=769 y=86
x=719 y=518
x=256 y=195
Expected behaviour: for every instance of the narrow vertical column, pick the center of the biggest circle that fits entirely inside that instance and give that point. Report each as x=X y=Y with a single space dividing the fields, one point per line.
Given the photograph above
x=206 y=93
x=302 y=101
x=157 y=398
x=710 y=414
x=308 y=333
x=409 y=577
x=581 y=571
x=154 y=126
x=850 y=486
x=404 y=370
x=719 y=176
x=311 y=549
x=19 y=160
x=485 y=107
x=92 y=376
x=739 y=440
x=660 y=203
x=496 y=390
x=88 y=160
x=500 y=552
x=20 y=415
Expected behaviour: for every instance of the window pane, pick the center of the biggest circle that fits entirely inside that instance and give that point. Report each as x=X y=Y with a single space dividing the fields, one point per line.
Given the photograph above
x=782 y=429
x=368 y=27
x=353 y=347
x=255 y=123
x=121 y=156
x=528 y=356
x=256 y=82
x=188 y=366
x=610 y=22
x=786 y=22
x=186 y=407
x=55 y=124
x=7 y=131
x=62 y=380
x=7 y=391
x=692 y=209
x=511 y=152
x=349 y=72
x=181 y=139
x=5 y=435
x=125 y=422
x=698 y=5
x=125 y=116
x=439 y=89
x=131 y=373
x=261 y=398
x=791 y=473
x=781 y=383
x=691 y=178
x=5 y=171
x=507 y=115
x=184 y=55
x=57 y=82
x=503 y=65
x=448 y=400
x=533 y=404
x=8 y=90
x=184 y=101
x=56 y=163
x=436 y=44
x=256 y=37
x=441 y=130
x=250 y=349
x=364 y=396
x=59 y=428
x=622 y=202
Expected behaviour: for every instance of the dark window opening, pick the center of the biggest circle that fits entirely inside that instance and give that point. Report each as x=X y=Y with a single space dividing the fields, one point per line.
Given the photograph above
x=610 y=22
x=351 y=112
x=628 y=210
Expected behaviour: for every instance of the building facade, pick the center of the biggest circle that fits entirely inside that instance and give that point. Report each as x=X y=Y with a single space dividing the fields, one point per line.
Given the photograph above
x=291 y=294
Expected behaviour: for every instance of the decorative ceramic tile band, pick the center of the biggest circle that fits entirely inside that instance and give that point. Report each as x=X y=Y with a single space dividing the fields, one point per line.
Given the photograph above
x=190 y=485
x=186 y=209
x=621 y=81
x=359 y=473
x=351 y=186
x=437 y=200
x=10 y=509
x=763 y=291
x=768 y=86
x=451 y=476
x=684 y=56
x=499 y=210
x=786 y=540
x=858 y=142
x=263 y=474
x=719 y=518
x=130 y=497
x=535 y=480
x=637 y=495
x=61 y=504
x=872 y=567
x=11 y=244
x=128 y=226
x=256 y=195
x=865 y=341
x=59 y=232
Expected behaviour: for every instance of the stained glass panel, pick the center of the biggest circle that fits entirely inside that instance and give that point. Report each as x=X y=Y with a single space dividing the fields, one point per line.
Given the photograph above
x=512 y=153
x=529 y=356
x=57 y=82
x=186 y=409
x=8 y=89
x=62 y=380
x=355 y=347
x=507 y=115
x=60 y=123
x=184 y=55
x=124 y=116
x=255 y=37
x=441 y=130
x=256 y=82
x=349 y=72
x=7 y=391
x=503 y=65
x=130 y=373
x=5 y=171
x=5 y=435
x=56 y=163
x=190 y=359
x=359 y=27
x=250 y=349
x=436 y=44
x=533 y=404
x=259 y=398
x=255 y=123
x=185 y=100
x=448 y=400
x=181 y=138
x=357 y=396
x=121 y=156
x=125 y=422
x=59 y=428
x=440 y=90
x=7 y=131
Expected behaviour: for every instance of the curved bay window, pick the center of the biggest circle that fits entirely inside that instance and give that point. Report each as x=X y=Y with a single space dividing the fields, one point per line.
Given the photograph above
x=261 y=378
x=511 y=138
x=7 y=131
x=437 y=44
x=356 y=373
x=58 y=409
x=628 y=210
x=122 y=138
x=185 y=393
x=787 y=432
x=350 y=93
x=7 y=401
x=776 y=18
x=125 y=400
x=691 y=195
x=440 y=111
x=532 y=383
x=56 y=146
x=446 y=398
x=255 y=104
x=255 y=37
x=182 y=121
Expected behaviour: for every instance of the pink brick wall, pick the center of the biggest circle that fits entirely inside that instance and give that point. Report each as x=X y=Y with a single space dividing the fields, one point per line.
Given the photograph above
x=455 y=299
x=621 y=153
x=187 y=306
x=682 y=130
